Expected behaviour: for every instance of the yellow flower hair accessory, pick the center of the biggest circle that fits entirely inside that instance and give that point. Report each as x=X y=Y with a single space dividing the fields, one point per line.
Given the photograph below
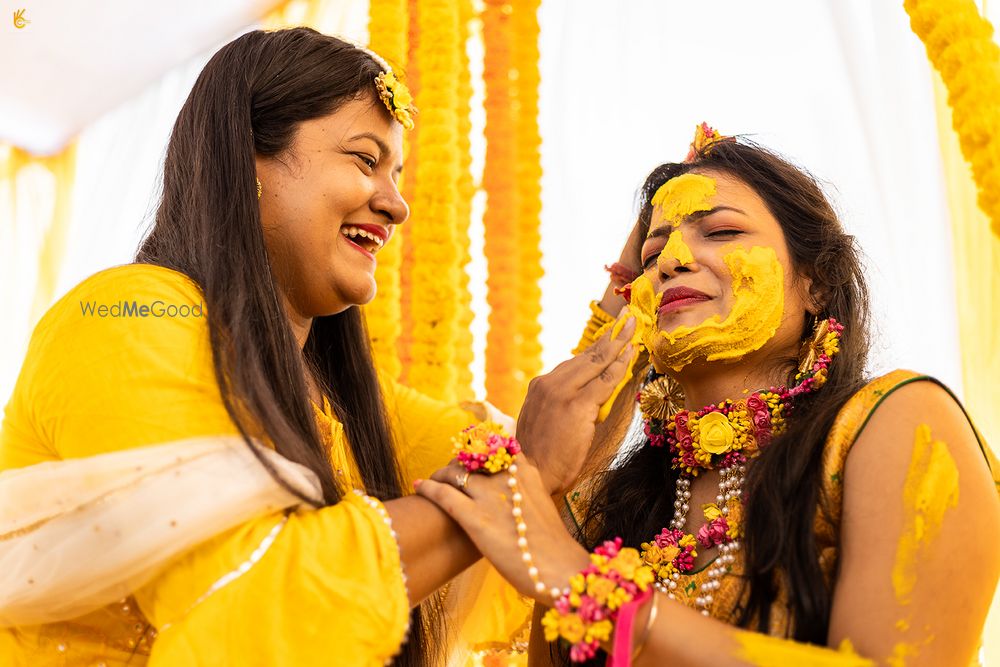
x=397 y=98
x=704 y=136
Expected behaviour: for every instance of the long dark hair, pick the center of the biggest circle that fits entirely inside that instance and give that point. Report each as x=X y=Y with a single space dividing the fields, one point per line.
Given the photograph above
x=636 y=498
x=248 y=100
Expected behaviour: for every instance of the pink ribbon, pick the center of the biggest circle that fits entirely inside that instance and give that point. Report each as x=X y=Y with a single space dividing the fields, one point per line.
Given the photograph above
x=621 y=655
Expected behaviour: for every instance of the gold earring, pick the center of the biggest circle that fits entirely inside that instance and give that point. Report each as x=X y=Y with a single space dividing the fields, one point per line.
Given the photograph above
x=260 y=188
x=661 y=398
x=811 y=349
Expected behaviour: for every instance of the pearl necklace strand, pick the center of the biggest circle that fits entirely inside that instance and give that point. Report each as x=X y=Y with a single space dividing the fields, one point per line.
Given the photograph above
x=730 y=486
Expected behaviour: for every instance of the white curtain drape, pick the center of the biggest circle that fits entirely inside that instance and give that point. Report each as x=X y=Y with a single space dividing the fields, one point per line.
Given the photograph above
x=840 y=86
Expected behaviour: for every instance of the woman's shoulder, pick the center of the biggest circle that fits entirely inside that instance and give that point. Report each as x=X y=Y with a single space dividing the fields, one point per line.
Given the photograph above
x=140 y=280
x=892 y=408
x=858 y=410
x=126 y=292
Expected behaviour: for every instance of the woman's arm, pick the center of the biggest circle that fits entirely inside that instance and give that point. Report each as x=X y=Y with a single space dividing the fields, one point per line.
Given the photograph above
x=433 y=548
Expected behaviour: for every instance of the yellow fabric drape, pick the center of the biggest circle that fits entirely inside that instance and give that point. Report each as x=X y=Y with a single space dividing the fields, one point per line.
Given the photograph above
x=977 y=284
x=36 y=191
x=977 y=278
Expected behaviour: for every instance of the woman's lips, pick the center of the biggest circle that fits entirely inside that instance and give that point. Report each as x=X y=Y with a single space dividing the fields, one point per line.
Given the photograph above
x=357 y=247
x=676 y=298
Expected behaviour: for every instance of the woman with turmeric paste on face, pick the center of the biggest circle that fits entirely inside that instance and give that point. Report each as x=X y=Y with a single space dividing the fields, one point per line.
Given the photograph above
x=780 y=508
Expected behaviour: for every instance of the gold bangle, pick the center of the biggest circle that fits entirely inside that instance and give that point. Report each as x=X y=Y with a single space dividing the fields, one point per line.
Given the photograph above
x=649 y=625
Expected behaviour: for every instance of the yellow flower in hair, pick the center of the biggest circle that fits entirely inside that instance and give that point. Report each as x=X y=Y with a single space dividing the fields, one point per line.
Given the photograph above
x=396 y=97
x=716 y=433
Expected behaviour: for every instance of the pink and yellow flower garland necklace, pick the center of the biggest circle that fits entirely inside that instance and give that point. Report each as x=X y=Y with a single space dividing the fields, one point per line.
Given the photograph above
x=724 y=437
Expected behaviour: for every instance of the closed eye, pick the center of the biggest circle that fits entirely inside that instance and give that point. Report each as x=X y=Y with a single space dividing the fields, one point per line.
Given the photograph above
x=367 y=159
x=724 y=233
x=650 y=261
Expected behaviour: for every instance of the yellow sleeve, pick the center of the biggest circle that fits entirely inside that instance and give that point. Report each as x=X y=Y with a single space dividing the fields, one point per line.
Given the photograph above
x=322 y=587
x=328 y=584
x=123 y=360
x=423 y=428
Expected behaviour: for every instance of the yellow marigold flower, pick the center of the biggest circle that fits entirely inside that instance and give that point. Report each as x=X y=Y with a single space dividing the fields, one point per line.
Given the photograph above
x=716 y=433
x=644 y=576
x=571 y=628
x=687 y=541
x=550 y=624
x=501 y=460
x=712 y=511
x=577 y=583
x=601 y=631
x=600 y=588
x=617 y=598
x=625 y=562
x=651 y=554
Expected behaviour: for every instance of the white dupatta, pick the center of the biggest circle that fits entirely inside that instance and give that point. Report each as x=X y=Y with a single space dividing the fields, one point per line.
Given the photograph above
x=78 y=534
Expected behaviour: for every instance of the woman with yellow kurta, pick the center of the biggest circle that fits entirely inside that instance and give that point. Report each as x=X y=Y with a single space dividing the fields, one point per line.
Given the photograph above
x=201 y=465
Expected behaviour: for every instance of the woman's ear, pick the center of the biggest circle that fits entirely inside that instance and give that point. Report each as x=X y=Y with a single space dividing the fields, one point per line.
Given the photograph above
x=812 y=296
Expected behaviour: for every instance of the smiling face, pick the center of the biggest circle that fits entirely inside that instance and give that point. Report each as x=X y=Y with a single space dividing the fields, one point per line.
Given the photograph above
x=330 y=203
x=718 y=283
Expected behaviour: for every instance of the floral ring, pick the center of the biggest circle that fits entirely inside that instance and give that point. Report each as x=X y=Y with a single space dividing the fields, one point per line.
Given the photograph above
x=485 y=448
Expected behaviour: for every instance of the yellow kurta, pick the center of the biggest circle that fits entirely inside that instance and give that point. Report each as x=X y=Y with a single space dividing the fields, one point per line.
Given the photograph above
x=322 y=587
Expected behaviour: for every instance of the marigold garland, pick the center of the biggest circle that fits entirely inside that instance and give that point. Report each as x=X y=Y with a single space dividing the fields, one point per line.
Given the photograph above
x=387 y=29
x=500 y=218
x=408 y=187
x=466 y=190
x=434 y=300
x=960 y=46
x=529 y=191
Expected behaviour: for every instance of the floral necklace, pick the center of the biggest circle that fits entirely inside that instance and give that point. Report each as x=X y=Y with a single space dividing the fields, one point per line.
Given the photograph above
x=726 y=437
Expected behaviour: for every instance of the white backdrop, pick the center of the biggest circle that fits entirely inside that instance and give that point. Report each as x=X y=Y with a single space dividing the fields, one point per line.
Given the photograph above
x=840 y=86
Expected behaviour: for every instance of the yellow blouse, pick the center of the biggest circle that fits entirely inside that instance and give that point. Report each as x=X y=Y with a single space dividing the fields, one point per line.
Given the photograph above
x=731 y=596
x=317 y=587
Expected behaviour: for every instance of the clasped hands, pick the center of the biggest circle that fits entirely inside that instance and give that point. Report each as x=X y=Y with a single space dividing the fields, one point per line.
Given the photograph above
x=511 y=516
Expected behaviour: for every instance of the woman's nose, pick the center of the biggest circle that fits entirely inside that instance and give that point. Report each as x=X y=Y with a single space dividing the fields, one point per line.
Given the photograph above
x=676 y=257
x=389 y=202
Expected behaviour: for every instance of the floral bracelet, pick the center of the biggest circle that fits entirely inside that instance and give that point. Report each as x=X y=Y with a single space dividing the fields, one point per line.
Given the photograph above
x=486 y=448
x=586 y=613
